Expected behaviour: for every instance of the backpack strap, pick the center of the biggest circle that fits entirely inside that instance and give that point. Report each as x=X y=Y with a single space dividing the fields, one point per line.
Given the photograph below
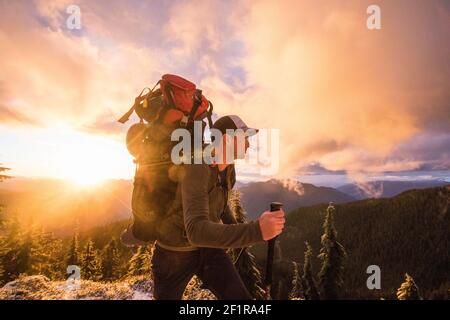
x=197 y=101
x=226 y=182
x=209 y=114
x=169 y=94
x=137 y=101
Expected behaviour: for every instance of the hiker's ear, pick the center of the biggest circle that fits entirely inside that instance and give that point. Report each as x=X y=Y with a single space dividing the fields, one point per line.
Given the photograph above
x=228 y=139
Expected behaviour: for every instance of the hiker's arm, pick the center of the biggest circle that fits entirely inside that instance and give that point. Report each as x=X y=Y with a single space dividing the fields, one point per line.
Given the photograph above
x=201 y=231
x=228 y=216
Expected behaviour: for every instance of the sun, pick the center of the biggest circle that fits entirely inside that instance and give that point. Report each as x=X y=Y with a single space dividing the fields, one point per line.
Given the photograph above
x=87 y=160
x=86 y=171
x=86 y=180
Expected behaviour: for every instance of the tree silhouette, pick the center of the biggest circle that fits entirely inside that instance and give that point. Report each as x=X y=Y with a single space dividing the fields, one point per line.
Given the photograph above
x=11 y=245
x=332 y=255
x=73 y=256
x=2 y=241
x=110 y=261
x=23 y=257
x=308 y=282
x=296 y=283
x=140 y=263
x=246 y=265
x=46 y=254
x=3 y=250
x=90 y=263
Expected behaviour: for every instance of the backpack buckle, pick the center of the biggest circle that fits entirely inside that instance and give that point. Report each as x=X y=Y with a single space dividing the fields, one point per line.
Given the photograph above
x=184 y=120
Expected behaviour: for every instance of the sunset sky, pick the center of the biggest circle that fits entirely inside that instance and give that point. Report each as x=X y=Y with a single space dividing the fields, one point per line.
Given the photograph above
x=351 y=103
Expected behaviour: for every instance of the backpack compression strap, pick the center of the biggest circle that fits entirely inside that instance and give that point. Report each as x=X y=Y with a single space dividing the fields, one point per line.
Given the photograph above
x=197 y=101
x=137 y=101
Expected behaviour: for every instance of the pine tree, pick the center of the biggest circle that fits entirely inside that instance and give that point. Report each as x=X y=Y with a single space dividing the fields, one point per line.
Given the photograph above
x=2 y=254
x=408 y=290
x=249 y=273
x=332 y=255
x=22 y=259
x=110 y=261
x=74 y=257
x=140 y=263
x=10 y=249
x=38 y=255
x=296 y=283
x=236 y=206
x=46 y=255
x=55 y=255
x=246 y=265
x=308 y=283
x=3 y=244
x=90 y=263
x=3 y=249
x=15 y=249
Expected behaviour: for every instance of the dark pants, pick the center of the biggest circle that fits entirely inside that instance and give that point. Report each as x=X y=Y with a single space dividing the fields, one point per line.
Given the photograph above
x=172 y=271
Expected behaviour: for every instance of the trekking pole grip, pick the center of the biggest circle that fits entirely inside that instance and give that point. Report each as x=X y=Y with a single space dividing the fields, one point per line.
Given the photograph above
x=274 y=206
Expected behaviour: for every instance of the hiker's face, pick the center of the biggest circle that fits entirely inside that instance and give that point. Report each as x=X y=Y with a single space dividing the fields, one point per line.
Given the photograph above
x=240 y=147
x=237 y=144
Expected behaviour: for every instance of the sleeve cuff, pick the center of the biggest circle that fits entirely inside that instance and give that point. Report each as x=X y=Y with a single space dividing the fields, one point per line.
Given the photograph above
x=256 y=231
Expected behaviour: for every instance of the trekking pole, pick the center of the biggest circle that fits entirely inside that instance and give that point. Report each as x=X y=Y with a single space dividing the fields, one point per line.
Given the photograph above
x=274 y=206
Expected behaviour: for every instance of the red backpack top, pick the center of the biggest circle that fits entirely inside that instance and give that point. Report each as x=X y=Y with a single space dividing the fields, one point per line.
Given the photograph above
x=176 y=100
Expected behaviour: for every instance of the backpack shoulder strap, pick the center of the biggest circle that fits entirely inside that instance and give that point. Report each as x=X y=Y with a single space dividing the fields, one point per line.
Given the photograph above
x=228 y=178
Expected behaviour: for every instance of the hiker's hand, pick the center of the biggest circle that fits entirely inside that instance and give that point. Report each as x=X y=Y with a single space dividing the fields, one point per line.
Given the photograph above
x=271 y=223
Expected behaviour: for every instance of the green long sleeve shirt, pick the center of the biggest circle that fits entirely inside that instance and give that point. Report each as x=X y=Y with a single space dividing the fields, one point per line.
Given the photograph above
x=207 y=220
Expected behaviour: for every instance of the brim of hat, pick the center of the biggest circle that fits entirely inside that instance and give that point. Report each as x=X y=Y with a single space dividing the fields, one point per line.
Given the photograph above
x=252 y=130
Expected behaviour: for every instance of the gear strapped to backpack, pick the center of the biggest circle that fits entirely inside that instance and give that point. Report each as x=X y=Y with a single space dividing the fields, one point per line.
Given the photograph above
x=177 y=103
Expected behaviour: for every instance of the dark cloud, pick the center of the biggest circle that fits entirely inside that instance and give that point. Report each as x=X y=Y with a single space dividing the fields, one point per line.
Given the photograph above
x=431 y=150
x=323 y=146
x=315 y=168
x=428 y=151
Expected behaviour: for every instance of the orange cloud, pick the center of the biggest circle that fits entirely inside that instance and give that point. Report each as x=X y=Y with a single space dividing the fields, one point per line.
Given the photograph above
x=316 y=72
x=10 y=116
x=56 y=76
x=341 y=95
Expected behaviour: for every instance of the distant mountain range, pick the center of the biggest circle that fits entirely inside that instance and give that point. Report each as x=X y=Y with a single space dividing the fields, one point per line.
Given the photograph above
x=377 y=189
x=256 y=196
x=58 y=204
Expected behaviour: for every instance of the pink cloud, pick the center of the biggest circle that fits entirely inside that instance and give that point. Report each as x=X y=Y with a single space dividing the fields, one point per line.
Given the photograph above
x=342 y=95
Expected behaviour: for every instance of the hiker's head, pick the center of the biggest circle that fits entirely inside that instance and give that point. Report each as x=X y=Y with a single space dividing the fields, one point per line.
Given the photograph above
x=235 y=134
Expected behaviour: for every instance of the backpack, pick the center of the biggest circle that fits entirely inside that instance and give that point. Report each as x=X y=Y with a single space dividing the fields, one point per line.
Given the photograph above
x=175 y=104
x=176 y=100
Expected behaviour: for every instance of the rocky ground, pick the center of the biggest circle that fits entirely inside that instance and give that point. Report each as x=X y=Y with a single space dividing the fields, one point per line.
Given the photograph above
x=135 y=288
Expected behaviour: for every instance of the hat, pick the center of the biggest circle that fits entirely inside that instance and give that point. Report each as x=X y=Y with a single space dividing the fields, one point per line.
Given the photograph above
x=233 y=122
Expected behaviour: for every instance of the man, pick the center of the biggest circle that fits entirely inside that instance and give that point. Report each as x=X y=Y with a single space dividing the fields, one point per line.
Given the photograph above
x=207 y=227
